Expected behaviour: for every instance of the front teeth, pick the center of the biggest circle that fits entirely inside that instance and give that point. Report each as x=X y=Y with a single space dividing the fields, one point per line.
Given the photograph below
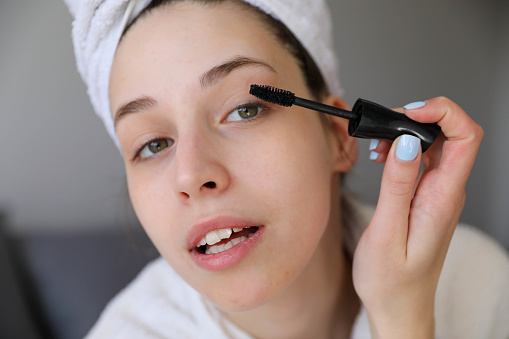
x=216 y=236
x=224 y=247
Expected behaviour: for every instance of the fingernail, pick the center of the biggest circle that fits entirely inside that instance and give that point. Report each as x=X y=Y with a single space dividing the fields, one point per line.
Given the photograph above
x=373 y=155
x=408 y=147
x=373 y=144
x=414 y=105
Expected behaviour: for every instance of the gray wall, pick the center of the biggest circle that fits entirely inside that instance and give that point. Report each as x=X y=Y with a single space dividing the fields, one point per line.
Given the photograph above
x=396 y=51
x=60 y=172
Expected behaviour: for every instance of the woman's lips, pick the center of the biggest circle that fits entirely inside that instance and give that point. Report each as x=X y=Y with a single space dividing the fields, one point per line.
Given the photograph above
x=229 y=257
x=214 y=231
x=199 y=230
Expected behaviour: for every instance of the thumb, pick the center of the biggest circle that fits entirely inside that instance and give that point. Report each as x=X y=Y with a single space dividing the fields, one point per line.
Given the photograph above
x=391 y=219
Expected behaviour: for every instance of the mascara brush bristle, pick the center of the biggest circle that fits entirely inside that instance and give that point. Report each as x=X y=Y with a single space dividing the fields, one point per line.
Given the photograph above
x=273 y=95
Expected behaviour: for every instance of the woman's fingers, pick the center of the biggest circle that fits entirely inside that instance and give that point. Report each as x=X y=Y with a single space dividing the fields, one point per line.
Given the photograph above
x=390 y=221
x=463 y=137
x=439 y=197
x=379 y=150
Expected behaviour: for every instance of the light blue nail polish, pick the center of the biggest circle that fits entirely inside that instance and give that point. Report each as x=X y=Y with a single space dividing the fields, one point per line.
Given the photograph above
x=414 y=105
x=408 y=147
x=373 y=144
x=373 y=155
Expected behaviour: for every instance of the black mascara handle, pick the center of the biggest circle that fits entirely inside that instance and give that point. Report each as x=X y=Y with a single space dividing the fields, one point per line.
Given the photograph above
x=375 y=121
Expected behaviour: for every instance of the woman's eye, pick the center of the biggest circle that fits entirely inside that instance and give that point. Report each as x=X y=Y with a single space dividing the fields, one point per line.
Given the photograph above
x=155 y=146
x=244 y=113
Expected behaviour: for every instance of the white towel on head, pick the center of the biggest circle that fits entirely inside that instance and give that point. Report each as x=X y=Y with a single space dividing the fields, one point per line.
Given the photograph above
x=98 y=26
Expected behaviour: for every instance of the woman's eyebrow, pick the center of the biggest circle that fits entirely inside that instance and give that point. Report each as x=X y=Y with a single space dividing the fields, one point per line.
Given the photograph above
x=220 y=71
x=208 y=78
x=134 y=106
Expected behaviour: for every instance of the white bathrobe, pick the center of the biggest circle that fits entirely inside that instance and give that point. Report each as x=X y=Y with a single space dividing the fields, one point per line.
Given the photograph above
x=472 y=300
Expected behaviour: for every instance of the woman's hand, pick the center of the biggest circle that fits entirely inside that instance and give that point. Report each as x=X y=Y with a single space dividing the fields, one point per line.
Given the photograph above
x=399 y=258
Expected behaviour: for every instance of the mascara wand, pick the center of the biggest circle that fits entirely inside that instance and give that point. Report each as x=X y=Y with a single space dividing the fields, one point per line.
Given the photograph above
x=367 y=119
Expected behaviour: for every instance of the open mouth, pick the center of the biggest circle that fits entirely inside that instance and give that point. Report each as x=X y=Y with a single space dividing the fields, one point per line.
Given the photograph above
x=221 y=240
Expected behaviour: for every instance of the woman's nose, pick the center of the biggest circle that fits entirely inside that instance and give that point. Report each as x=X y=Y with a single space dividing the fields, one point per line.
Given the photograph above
x=199 y=168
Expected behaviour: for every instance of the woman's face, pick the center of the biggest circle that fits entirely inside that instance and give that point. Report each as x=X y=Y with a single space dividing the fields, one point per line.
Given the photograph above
x=203 y=155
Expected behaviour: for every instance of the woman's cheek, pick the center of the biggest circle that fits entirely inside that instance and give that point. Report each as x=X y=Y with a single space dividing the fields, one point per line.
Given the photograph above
x=149 y=198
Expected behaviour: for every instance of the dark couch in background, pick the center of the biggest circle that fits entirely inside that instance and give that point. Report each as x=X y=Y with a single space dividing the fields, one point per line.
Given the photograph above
x=55 y=286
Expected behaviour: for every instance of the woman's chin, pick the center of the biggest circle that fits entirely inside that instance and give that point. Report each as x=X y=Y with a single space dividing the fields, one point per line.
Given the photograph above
x=244 y=299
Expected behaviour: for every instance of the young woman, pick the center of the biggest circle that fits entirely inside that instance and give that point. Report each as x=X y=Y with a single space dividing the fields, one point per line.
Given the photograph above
x=243 y=198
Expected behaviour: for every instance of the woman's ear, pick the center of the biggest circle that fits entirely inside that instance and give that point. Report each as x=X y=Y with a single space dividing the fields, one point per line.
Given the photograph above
x=344 y=147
